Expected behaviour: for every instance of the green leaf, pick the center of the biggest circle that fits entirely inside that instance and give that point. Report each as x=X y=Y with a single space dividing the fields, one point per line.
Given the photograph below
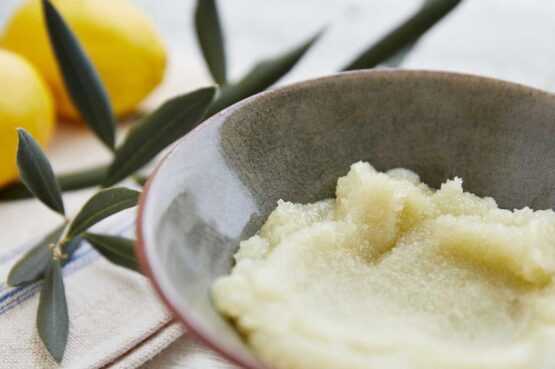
x=52 y=317
x=210 y=38
x=36 y=173
x=140 y=179
x=404 y=35
x=118 y=250
x=70 y=247
x=396 y=60
x=80 y=77
x=262 y=76
x=165 y=125
x=32 y=265
x=68 y=182
x=101 y=205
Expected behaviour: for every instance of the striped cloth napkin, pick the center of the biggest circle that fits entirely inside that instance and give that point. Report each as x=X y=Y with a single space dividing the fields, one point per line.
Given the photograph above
x=116 y=321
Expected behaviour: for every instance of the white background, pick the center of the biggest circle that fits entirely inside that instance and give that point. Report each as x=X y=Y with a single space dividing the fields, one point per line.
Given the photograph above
x=509 y=39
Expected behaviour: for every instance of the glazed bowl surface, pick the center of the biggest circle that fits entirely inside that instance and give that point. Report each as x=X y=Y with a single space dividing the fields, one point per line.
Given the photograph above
x=220 y=182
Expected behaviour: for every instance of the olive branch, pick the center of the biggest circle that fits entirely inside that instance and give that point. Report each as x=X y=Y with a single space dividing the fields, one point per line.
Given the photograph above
x=173 y=119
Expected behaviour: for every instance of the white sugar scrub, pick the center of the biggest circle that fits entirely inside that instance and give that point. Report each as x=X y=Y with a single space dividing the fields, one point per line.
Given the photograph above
x=393 y=274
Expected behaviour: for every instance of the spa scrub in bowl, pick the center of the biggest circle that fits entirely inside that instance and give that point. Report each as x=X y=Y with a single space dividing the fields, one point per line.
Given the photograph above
x=393 y=274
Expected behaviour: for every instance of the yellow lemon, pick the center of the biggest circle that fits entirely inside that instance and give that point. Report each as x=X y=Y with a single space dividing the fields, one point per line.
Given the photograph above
x=25 y=102
x=119 y=39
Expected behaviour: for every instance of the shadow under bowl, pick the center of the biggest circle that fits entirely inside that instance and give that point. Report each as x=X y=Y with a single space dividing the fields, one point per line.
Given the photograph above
x=222 y=180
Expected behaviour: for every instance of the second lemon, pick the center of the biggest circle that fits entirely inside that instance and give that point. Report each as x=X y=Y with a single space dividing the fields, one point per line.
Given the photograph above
x=120 y=40
x=26 y=102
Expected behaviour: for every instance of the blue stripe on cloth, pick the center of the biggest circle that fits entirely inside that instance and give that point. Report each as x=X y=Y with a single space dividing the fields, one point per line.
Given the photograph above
x=25 y=293
x=84 y=256
x=13 y=291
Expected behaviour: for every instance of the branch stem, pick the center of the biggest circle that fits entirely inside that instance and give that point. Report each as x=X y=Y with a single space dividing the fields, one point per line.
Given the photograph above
x=71 y=181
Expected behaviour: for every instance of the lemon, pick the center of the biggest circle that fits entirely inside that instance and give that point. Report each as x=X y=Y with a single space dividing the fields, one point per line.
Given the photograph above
x=119 y=39
x=25 y=102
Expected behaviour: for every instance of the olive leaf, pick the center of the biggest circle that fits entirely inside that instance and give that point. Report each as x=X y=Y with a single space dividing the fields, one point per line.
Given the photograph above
x=52 y=316
x=31 y=267
x=69 y=247
x=80 y=77
x=396 y=60
x=101 y=205
x=140 y=179
x=155 y=132
x=262 y=75
x=118 y=250
x=404 y=35
x=68 y=182
x=36 y=173
x=210 y=38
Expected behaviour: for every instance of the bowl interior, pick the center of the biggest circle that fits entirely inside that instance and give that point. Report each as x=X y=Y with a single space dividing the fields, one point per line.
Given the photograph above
x=222 y=180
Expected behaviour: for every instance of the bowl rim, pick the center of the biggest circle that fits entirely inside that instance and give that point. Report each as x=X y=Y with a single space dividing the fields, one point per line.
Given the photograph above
x=141 y=246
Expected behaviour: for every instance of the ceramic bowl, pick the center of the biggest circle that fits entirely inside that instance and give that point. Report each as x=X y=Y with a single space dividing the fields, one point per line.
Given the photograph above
x=220 y=182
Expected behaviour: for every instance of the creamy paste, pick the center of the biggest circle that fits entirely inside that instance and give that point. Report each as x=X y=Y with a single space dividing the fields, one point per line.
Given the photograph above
x=393 y=274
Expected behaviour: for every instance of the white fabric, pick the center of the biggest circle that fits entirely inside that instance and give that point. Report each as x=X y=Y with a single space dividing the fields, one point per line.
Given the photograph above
x=152 y=346
x=185 y=353
x=112 y=312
